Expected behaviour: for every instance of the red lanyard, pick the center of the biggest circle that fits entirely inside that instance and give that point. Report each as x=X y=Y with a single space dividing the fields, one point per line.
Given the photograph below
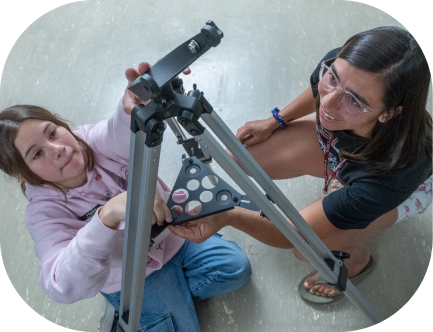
x=328 y=178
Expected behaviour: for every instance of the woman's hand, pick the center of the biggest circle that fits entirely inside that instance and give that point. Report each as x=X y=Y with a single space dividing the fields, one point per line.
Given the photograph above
x=114 y=211
x=130 y=100
x=200 y=230
x=256 y=131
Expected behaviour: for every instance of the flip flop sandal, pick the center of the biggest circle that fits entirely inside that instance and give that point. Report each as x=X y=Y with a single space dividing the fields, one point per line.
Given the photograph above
x=306 y=295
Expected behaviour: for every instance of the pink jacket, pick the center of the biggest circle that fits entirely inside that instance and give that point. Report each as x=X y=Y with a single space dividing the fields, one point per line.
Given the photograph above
x=80 y=256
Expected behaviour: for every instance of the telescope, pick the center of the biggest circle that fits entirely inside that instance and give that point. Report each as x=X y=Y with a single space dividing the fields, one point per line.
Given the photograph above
x=168 y=102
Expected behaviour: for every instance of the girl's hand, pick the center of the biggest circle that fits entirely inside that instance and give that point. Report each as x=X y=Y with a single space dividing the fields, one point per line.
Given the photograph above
x=256 y=131
x=114 y=211
x=130 y=100
x=161 y=211
x=200 y=230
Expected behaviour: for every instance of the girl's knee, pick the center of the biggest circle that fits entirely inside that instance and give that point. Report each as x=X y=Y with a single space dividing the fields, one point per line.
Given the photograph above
x=243 y=267
x=237 y=265
x=227 y=275
x=235 y=271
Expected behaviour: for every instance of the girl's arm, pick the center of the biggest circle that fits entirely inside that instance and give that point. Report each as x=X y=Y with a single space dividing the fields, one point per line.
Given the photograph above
x=75 y=261
x=75 y=256
x=111 y=138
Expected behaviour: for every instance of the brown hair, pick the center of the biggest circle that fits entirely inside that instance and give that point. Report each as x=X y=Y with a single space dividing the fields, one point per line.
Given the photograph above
x=394 y=55
x=11 y=161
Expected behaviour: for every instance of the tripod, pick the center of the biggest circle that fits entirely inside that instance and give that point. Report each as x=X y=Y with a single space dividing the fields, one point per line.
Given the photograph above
x=161 y=84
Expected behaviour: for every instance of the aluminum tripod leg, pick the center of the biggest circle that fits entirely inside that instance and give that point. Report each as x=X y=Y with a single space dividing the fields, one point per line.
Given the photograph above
x=315 y=253
x=142 y=178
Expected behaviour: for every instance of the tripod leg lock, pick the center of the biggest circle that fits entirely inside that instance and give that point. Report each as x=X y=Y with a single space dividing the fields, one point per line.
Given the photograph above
x=154 y=132
x=190 y=123
x=342 y=277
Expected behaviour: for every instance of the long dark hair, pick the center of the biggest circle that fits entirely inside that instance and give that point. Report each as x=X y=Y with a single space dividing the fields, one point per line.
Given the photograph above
x=394 y=54
x=11 y=161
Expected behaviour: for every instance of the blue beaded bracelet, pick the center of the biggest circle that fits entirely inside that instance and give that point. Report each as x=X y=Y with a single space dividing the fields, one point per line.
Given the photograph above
x=279 y=118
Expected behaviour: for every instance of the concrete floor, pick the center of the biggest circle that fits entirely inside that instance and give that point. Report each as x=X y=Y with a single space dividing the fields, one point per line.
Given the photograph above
x=72 y=60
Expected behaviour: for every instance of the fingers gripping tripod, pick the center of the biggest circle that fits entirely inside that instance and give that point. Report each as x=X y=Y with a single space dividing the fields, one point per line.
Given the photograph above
x=161 y=85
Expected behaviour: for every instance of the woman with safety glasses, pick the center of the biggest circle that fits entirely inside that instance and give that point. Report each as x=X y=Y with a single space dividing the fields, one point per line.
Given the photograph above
x=372 y=133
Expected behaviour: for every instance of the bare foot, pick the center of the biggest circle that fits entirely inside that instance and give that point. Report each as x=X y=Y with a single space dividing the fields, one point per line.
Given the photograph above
x=319 y=289
x=354 y=268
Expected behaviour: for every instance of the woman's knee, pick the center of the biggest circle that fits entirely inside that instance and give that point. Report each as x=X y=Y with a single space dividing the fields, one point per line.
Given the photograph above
x=237 y=161
x=296 y=147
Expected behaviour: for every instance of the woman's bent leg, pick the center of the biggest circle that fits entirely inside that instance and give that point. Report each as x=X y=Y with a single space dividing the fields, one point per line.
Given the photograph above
x=349 y=241
x=291 y=152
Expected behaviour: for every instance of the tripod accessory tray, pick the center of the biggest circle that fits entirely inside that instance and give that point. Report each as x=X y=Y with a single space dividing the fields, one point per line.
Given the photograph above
x=199 y=193
x=206 y=194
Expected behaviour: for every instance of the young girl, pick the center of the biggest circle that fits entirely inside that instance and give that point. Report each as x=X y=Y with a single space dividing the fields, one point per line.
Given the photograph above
x=372 y=132
x=76 y=184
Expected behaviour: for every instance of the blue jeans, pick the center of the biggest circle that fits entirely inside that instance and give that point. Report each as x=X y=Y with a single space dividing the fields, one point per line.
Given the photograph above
x=196 y=272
